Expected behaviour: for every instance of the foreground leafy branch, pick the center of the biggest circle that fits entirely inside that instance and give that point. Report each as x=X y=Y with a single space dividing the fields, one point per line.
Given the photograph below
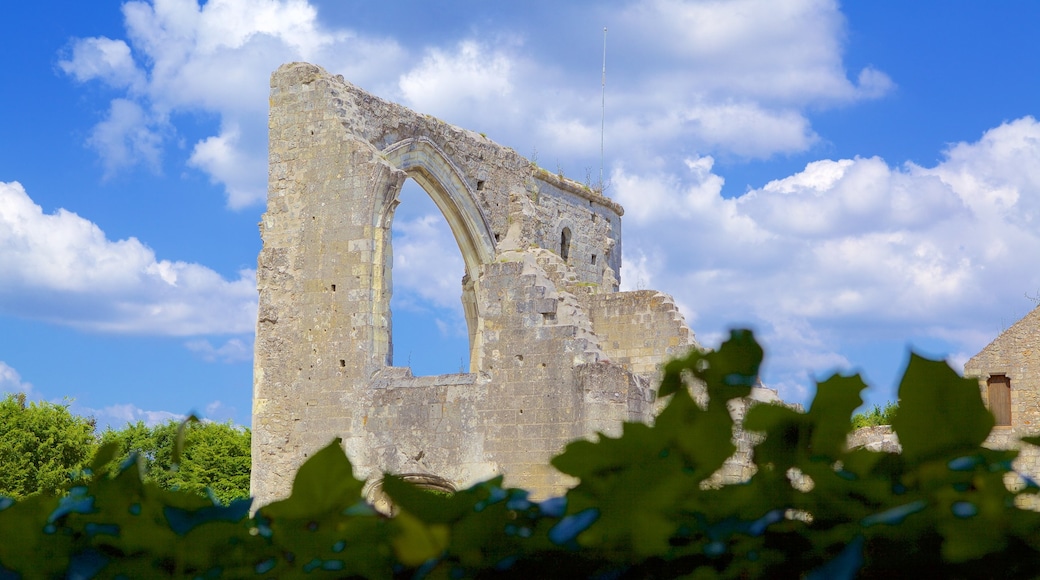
x=645 y=505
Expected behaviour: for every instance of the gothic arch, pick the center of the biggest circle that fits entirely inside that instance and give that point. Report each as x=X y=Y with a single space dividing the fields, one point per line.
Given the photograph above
x=434 y=171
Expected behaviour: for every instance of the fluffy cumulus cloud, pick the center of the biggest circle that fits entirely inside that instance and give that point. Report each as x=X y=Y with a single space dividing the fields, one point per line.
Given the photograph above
x=227 y=160
x=729 y=77
x=452 y=82
x=732 y=78
x=777 y=52
x=847 y=249
x=62 y=268
x=180 y=56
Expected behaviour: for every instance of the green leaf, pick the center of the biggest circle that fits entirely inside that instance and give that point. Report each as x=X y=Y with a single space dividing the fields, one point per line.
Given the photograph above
x=786 y=435
x=836 y=399
x=21 y=527
x=731 y=371
x=324 y=483
x=428 y=506
x=939 y=412
x=728 y=373
x=103 y=457
x=418 y=541
x=1032 y=440
x=591 y=459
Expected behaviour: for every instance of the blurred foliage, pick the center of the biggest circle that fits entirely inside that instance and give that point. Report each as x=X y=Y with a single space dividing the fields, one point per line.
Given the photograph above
x=645 y=505
x=875 y=417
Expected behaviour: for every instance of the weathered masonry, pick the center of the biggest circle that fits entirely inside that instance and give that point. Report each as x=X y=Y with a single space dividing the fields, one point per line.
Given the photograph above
x=556 y=352
x=1008 y=370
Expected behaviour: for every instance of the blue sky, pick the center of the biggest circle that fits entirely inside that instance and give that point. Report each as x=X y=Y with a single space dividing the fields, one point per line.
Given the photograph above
x=847 y=179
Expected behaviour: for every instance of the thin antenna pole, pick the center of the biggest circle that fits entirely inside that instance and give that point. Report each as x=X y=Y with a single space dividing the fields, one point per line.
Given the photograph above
x=603 y=111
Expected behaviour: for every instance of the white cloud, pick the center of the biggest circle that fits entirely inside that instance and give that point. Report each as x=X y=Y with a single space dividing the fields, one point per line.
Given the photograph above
x=850 y=248
x=428 y=265
x=731 y=78
x=773 y=51
x=62 y=268
x=214 y=58
x=127 y=137
x=452 y=84
x=224 y=159
x=119 y=416
x=233 y=351
x=748 y=129
x=636 y=272
x=105 y=59
x=11 y=381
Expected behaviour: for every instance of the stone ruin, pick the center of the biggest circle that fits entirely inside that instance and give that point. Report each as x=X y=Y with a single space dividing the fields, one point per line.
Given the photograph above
x=1008 y=371
x=556 y=351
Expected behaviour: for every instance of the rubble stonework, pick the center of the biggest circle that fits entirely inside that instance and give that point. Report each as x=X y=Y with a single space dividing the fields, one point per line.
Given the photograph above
x=1015 y=355
x=556 y=351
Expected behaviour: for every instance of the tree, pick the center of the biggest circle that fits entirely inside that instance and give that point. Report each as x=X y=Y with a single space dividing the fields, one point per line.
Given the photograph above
x=41 y=444
x=215 y=456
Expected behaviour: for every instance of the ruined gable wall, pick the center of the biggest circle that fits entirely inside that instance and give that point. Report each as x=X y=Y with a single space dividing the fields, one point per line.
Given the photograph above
x=498 y=178
x=1015 y=353
x=540 y=376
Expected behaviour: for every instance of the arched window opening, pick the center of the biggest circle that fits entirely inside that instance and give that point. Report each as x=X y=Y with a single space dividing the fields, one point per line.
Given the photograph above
x=565 y=243
x=428 y=326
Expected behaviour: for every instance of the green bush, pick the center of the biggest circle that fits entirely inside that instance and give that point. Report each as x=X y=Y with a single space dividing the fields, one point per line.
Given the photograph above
x=40 y=443
x=216 y=456
x=643 y=507
x=875 y=417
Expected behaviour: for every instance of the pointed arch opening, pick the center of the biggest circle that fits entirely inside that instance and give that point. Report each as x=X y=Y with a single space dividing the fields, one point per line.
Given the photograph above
x=428 y=324
x=425 y=163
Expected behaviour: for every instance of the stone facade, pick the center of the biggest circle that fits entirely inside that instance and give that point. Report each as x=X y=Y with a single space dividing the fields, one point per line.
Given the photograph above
x=1008 y=370
x=556 y=352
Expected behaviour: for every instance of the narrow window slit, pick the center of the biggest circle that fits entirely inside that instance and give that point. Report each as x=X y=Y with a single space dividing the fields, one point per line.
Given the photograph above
x=565 y=243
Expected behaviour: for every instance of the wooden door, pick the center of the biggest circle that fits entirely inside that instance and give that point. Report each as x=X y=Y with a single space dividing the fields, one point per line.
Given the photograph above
x=999 y=388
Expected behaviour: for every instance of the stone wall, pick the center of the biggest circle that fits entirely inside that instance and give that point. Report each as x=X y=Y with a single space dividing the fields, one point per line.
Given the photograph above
x=879 y=438
x=637 y=328
x=557 y=353
x=1015 y=354
x=542 y=256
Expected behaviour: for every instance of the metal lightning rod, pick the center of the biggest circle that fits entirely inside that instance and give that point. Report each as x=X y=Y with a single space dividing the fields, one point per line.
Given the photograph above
x=603 y=111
